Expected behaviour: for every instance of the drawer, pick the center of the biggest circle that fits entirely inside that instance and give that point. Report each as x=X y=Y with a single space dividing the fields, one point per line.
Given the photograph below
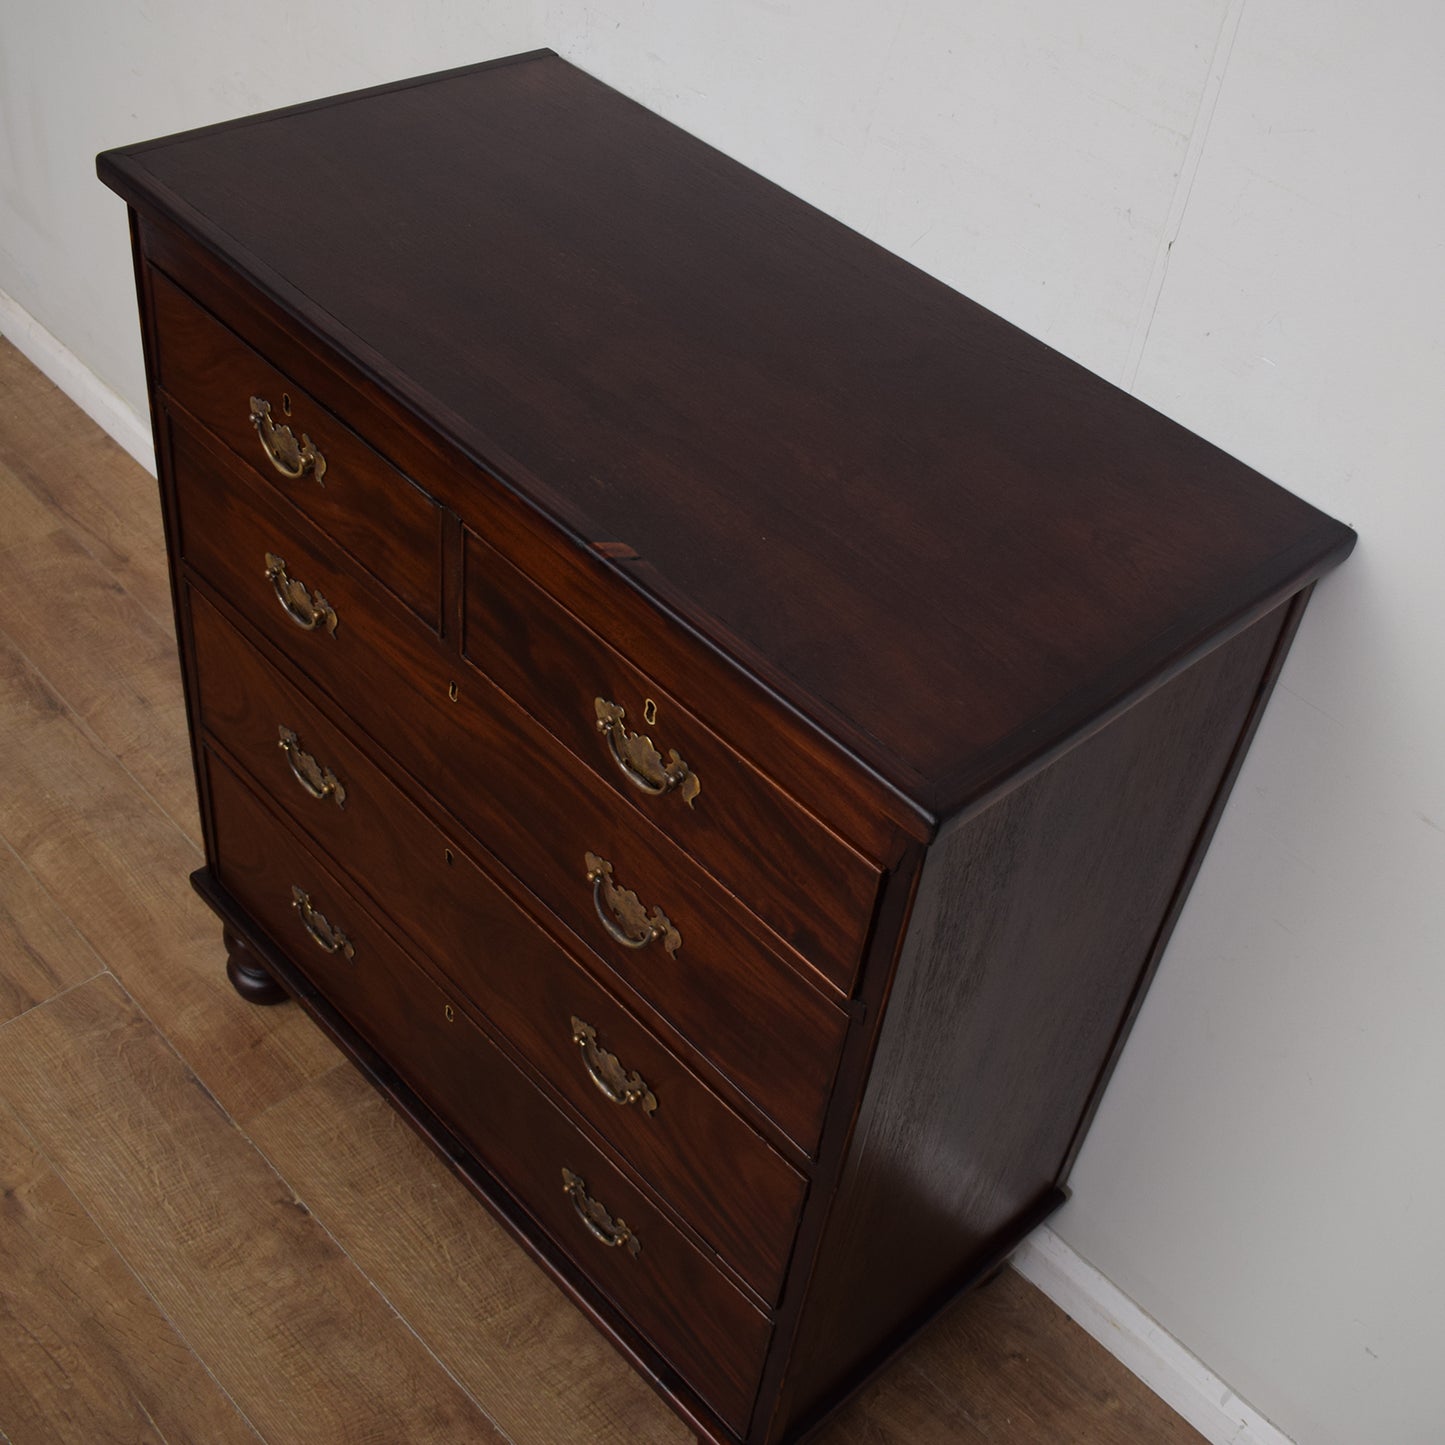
x=738 y=1193
x=592 y=1210
x=352 y=494
x=814 y=890
x=303 y=596
x=754 y=1015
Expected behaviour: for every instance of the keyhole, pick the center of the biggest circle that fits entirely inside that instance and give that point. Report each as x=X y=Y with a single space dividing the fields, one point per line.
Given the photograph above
x=453 y=691
x=649 y=712
x=286 y=402
x=451 y=1018
x=447 y=853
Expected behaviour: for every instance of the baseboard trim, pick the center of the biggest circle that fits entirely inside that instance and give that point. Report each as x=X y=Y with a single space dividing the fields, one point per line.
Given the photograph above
x=77 y=381
x=1186 y=1384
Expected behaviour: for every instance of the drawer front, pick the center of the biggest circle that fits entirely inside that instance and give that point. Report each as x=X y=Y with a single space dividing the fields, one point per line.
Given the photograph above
x=364 y=504
x=738 y=1193
x=373 y=660
x=613 y=1231
x=755 y=1016
x=815 y=891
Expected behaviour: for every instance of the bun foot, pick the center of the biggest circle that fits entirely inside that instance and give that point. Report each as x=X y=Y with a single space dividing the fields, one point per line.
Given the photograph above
x=247 y=976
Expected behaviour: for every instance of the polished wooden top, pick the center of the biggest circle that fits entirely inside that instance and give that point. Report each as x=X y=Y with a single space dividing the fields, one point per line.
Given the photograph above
x=949 y=547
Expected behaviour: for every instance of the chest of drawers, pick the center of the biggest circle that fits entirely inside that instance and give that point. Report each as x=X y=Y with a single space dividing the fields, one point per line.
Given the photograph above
x=718 y=726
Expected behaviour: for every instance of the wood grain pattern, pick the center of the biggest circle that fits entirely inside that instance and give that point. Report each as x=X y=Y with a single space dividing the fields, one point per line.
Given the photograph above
x=66 y=612
x=814 y=408
x=89 y=485
x=882 y=547
x=41 y=954
x=1032 y=928
x=109 y=856
x=202 y=1216
x=1014 y=1375
x=973 y=1378
x=506 y=1333
x=698 y=1153
x=819 y=893
x=857 y=805
x=671 y=1288
x=765 y=1021
x=384 y=520
x=85 y=1353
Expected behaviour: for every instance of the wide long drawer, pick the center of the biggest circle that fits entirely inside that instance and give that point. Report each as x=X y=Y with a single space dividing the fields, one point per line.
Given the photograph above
x=753 y=1013
x=589 y=1206
x=738 y=1193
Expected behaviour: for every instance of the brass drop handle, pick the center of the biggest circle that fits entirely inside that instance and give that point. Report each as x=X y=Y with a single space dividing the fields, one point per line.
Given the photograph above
x=320 y=782
x=325 y=935
x=308 y=610
x=291 y=458
x=638 y=759
x=624 y=915
x=600 y=1224
x=607 y=1073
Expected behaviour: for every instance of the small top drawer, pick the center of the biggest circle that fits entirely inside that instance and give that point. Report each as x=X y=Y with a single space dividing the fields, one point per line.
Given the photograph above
x=814 y=890
x=387 y=523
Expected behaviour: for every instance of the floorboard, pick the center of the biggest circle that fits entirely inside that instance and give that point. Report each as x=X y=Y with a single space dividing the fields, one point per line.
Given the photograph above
x=41 y=953
x=210 y=1228
x=287 y=1324
x=500 y=1326
x=85 y=1352
x=109 y=504
x=113 y=665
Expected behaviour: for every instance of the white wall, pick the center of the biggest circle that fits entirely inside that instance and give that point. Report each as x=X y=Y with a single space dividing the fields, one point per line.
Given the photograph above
x=1236 y=209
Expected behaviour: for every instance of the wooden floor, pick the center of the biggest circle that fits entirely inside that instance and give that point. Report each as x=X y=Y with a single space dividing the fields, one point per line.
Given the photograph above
x=210 y=1229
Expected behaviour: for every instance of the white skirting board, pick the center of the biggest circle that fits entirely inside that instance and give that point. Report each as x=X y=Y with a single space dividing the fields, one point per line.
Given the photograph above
x=1186 y=1384
x=77 y=381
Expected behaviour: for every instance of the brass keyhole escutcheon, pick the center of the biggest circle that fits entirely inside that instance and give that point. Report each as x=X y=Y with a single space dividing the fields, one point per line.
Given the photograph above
x=292 y=458
x=637 y=756
x=453 y=691
x=449 y=856
x=449 y=1013
x=286 y=403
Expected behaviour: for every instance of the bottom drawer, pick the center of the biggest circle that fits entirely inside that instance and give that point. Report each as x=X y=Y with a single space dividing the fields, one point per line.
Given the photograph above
x=710 y=1333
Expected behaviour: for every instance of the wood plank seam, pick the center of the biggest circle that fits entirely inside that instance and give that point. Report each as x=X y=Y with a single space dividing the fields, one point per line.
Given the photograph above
x=69 y=988
x=115 y=1249
x=31 y=481
x=301 y=1203
x=90 y=735
x=60 y=908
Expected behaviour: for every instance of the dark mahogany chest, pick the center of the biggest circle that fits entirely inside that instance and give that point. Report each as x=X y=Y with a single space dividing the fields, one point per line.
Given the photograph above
x=716 y=724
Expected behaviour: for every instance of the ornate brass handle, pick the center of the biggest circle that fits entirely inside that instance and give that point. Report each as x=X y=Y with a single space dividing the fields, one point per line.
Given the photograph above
x=291 y=458
x=639 y=761
x=308 y=610
x=607 y=1073
x=600 y=1224
x=624 y=915
x=318 y=781
x=323 y=934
